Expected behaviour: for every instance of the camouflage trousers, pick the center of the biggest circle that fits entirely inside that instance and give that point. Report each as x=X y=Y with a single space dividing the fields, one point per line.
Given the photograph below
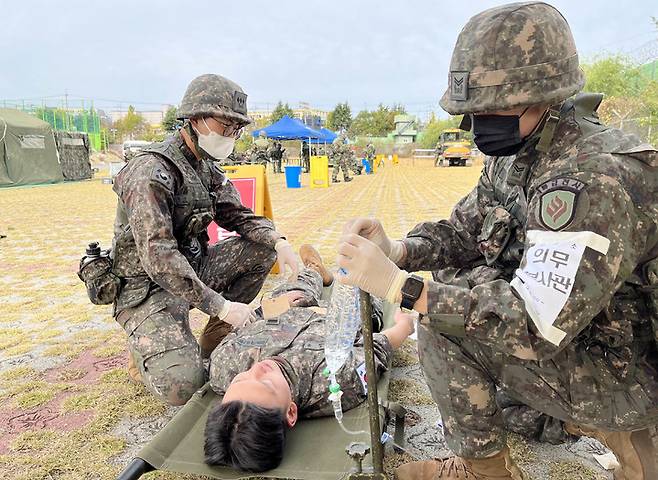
x=338 y=165
x=309 y=282
x=276 y=162
x=159 y=336
x=463 y=375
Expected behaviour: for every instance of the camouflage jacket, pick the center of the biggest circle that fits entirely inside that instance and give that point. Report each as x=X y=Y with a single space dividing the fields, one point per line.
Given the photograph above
x=276 y=152
x=369 y=152
x=586 y=202
x=167 y=198
x=295 y=340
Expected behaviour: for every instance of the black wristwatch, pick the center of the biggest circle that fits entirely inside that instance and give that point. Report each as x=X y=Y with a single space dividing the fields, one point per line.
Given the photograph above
x=411 y=291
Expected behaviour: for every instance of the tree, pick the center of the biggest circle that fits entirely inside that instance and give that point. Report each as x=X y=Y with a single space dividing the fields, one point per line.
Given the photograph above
x=152 y=134
x=614 y=76
x=430 y=135
x=631 y=97
x=377 y=123
x=130 y=125
x=280 y=111
x=340 y=118
x=170 y=121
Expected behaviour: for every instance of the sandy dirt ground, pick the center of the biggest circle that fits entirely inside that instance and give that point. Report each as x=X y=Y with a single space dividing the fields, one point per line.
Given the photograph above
x=67 y=409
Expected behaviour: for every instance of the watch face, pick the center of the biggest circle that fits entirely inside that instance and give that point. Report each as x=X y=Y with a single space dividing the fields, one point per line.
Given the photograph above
x=413 y=287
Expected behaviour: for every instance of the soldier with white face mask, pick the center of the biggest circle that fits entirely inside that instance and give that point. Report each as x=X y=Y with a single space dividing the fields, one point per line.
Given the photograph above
x=168 y=195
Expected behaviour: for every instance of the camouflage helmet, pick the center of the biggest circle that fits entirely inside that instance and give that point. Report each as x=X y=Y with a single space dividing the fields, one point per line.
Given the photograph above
x=511 y=56
x=211 y=95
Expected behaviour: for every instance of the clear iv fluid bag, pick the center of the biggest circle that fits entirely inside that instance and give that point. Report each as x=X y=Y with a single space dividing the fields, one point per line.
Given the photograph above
x=341 y=325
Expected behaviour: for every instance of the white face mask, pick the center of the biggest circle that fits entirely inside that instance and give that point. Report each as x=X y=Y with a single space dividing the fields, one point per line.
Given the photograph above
x=216 y=145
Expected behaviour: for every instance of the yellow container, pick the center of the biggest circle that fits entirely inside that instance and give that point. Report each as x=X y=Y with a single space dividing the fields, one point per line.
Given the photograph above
x=377 y=162
x=251 y=183
x=396 y=160
x=320 y=172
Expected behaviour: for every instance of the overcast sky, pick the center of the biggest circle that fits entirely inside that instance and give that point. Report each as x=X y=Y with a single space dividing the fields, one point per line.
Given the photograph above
x=364 y=52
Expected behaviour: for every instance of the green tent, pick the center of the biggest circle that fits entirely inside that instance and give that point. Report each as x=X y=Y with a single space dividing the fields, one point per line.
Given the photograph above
x=28 y=154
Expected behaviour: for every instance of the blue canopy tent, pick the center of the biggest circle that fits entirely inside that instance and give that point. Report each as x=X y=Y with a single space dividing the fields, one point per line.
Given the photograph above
x=290 y=129
x=294 y=129
x=328 y=136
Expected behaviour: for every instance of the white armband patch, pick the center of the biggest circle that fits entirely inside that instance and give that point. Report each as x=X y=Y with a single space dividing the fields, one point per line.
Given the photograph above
x=547 y=275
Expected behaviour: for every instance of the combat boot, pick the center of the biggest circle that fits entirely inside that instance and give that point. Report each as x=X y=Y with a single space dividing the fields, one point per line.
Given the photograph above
x=635 y=451
x=133 y=372
x=498 y=467
x=311 y=258
x=348 y=179
x=213 y=333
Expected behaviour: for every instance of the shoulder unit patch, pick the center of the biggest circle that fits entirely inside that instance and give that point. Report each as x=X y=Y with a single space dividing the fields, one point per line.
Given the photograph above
x=557 y=204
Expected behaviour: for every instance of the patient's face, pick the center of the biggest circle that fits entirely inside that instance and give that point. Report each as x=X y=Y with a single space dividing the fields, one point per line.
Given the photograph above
x=263 y=384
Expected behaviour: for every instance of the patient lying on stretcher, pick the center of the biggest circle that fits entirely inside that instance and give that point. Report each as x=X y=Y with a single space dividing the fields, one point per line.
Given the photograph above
x=270 y=371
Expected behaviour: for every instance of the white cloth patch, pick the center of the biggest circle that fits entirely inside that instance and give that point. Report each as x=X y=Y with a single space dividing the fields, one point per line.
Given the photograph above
x=361 y=372
x=548 y=273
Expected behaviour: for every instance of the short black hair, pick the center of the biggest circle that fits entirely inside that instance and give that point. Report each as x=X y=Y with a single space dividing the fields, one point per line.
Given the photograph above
x=245 y=436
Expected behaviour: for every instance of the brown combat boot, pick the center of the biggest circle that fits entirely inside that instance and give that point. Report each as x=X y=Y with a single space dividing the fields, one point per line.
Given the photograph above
x=213 y=333
x=635 y=451
x=498 y=467
x=133 y=372
x=312 y=259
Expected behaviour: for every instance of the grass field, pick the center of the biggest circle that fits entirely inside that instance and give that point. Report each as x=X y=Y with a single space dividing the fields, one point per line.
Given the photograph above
x=64 y=391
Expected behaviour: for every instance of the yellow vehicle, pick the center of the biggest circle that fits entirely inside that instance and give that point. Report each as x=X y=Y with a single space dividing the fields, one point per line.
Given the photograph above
x=453 y=149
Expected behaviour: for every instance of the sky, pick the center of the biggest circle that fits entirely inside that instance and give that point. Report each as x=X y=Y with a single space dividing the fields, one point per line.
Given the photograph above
x=360 y=51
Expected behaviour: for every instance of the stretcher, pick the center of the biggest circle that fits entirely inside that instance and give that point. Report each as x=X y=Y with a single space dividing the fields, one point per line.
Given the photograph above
x=316 y=449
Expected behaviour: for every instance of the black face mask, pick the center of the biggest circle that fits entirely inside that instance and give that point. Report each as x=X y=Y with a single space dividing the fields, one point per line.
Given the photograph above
x=498 y=135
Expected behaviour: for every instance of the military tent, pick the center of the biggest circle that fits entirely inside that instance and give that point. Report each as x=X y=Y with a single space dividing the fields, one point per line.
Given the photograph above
x=73 y=150
x=28 y=153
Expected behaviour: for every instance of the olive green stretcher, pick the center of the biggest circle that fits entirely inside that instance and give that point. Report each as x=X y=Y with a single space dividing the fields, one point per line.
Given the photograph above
x=315 y=448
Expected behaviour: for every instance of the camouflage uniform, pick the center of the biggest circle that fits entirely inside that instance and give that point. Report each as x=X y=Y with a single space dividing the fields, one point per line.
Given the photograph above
x=167 y=198
x=260 y=151
x=276 y=154
x=295 y=340
x=306 y=158
x=369 y=154
x=597 y=365
x=438 y=152
x=339 y=157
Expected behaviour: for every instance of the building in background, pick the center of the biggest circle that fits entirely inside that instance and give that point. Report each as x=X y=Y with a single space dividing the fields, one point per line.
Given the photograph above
x=405 y=129
x=311 y=117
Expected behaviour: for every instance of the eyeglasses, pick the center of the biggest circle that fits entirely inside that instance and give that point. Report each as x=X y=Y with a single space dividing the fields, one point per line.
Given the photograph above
x=230 y=129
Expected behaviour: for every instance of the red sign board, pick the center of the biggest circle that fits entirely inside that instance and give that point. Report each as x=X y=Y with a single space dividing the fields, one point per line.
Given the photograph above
x=246 y=187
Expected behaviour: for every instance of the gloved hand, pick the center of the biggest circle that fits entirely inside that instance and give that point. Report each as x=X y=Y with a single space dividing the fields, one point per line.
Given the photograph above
x=365 y=266
x=236 y=313
x=372 y=229
x=285 y=255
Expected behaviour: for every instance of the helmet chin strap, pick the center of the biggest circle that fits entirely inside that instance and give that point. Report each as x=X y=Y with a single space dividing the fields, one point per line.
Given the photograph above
x=546 y=137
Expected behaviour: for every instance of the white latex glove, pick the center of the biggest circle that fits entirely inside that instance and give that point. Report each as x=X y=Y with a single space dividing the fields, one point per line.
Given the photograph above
x=285 y=255
x=406 y=321
x=373 y=230
x=236 y=314
x=365 y=266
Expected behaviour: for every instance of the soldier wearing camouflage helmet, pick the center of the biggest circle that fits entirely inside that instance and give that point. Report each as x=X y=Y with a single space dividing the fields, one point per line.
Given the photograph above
x=168 y=195
x=565 y=210
x=338 y=155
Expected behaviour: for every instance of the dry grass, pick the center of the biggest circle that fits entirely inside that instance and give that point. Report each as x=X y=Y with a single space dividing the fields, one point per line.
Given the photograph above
x=46 y=316
x=408 y=392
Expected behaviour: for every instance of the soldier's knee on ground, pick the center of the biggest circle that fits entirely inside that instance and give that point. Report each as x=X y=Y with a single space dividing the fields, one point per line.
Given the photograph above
x=173 y=378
